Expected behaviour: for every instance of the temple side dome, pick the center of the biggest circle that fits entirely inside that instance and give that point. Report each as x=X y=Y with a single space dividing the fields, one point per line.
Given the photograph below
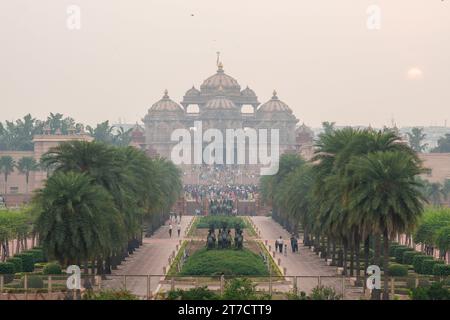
x=166 y=104
x=274 y=105
x=220 y=79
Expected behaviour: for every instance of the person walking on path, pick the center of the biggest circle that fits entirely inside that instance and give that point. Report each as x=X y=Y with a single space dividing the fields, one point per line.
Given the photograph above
x=179 y=229
x=285 y=250
x=293 y=243
x=280 y=244
x=170 y=230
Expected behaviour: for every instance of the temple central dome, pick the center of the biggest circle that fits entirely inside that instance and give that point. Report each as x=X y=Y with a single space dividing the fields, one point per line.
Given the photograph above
x=220 y=79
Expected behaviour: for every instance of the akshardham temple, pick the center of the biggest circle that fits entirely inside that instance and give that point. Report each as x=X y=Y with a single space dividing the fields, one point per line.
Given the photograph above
x=221 y=103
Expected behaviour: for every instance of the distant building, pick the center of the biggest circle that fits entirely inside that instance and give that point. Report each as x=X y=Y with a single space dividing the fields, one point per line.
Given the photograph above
x=438 y=164
x=16 y=186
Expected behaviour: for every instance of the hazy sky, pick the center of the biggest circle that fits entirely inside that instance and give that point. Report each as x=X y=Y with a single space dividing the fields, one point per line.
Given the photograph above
x=319 y=55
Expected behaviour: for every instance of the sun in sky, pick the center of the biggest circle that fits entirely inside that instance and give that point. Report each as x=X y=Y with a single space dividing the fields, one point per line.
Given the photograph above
x=414 y=73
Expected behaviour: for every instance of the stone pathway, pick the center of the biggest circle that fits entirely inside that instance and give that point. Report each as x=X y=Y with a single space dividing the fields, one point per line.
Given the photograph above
x=304 y=264
x=149 y=259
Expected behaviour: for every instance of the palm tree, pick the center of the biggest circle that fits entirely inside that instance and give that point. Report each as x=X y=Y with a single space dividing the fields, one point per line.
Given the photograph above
x=26 y=165
x=103 y=132
x=388 y=194
x=328 y=127
x=141 y=188
x=75 y=218
x=55 y=121
x=435 y=193
x=7 y=164
x=415 y=137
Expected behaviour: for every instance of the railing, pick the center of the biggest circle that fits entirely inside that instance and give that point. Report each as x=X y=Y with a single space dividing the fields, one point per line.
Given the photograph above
x=45 y=287
x=156 y=286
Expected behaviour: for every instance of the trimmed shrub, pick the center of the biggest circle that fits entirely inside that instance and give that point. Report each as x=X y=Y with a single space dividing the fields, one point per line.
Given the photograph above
x=17 y=264
x=218 y=222
x=392 y=249
x=408 y=256
x=441 y=270
x=33 y=282
x=52 y=268
x=38 y=255
x=398 y=270
x=417 y=262
x=399 y=253
x=7 y=270
x=27 y=261
x=427 y=266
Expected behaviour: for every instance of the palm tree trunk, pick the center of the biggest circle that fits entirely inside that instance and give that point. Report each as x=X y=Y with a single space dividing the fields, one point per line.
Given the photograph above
x=386 y=265
x=352 y=257
x=357 y=256
x=376 y=293
x=333 y=254
x=344 y=260
x=377 y=251
x=327 y=252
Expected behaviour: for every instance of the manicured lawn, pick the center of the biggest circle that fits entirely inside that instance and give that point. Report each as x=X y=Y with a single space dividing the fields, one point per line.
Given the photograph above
x=229 y=262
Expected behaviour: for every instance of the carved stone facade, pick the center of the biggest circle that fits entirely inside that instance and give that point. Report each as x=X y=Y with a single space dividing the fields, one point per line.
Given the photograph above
x=220 y=103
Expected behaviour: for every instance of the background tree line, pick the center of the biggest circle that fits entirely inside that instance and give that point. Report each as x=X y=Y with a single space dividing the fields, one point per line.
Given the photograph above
x=358 y=192
x=18 y=135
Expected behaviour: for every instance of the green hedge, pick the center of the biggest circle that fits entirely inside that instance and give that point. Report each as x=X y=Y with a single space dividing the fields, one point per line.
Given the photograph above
x=38 y=255
x=27 y=261
x=218 y=222
x=392 y=249
x=428 y=265
x=52 y=268
x=18 y=266
x=7 y=269
x=441 y=270
x=408 y=256
x=399 y=253
x=418 y=260
x=398 y=270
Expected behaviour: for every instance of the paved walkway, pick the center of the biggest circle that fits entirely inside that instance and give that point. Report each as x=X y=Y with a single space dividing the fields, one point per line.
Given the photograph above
x=149 y=259
x=304 y=263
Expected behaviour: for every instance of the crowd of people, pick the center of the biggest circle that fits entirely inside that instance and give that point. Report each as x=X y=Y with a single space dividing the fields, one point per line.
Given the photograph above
x=220 y=192
x=223 y=174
